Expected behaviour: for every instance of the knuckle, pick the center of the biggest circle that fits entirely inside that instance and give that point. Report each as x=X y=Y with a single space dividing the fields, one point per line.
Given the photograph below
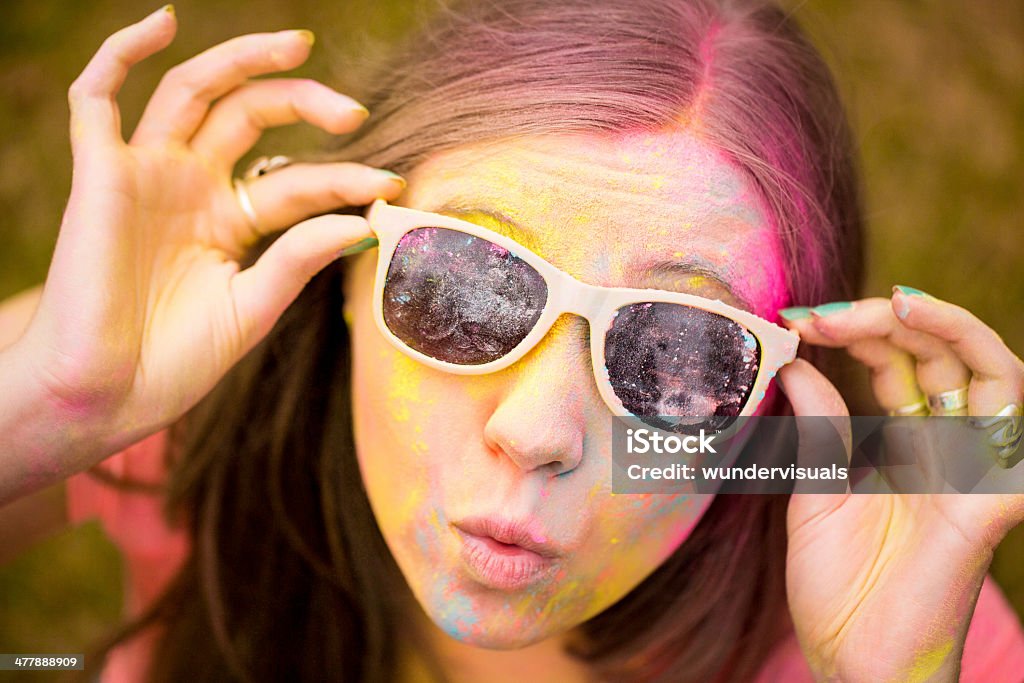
x=176 y=75
x=113 y=45
x=1018 y=366
x=76 y=91
x=81 y=89
x=183 y=78
x=341 y=193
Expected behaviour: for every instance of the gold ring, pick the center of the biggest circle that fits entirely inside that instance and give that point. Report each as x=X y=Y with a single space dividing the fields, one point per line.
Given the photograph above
x=245 y=201
x=911 y=409
x=264 y=165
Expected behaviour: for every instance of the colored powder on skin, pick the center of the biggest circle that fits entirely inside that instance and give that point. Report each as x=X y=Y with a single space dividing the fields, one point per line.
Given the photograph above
x=421 y=540
x=927 y=663
x=457 y=616
x=570 y=595
x=404 y=386
x=405 y=510
x=587 y=234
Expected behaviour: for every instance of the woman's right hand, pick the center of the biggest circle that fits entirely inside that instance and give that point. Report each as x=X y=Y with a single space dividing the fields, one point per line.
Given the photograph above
x=145 y=306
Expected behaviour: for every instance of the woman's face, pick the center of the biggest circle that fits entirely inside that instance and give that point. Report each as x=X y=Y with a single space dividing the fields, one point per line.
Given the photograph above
x=532 y=443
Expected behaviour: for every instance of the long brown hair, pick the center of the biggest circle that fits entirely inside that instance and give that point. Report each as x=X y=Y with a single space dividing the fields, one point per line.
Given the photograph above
x=289 y=576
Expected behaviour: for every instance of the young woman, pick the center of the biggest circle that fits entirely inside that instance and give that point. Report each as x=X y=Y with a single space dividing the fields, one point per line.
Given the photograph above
x=342 y=495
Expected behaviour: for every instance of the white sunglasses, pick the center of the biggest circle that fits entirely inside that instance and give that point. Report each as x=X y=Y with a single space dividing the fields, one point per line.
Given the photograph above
x=458 y=297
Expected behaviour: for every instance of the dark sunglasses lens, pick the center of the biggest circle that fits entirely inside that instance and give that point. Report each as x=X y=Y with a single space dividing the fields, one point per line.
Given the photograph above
x=680 y=368
x=459 y=298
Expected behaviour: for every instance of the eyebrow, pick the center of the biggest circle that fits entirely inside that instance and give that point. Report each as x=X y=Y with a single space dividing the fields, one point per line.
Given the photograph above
x=660 y=268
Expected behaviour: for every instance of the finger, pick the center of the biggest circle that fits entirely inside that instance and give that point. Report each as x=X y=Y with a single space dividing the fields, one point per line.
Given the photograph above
x=822 y=417
x=296 y=192
x=238 y=120
x=938 y=367
x=263 y=291
x=892 y=371
x=977 y=344
x=998 y=372
x=809 y=391
x=94 y=112
x=894 y=381
x=184 y=94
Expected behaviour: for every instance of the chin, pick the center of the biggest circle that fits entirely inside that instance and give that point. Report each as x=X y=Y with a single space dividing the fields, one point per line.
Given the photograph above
x=498 y=634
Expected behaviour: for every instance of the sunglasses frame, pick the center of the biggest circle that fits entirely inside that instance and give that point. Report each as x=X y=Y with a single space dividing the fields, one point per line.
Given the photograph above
x=566 y=294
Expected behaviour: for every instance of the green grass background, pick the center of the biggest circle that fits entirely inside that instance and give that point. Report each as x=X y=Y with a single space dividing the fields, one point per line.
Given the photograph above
x=935 y=91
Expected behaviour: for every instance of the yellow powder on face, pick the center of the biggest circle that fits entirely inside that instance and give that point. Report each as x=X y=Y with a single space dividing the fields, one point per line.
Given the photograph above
x=491 y=223
x=696 y=281
x=403 y=386
x=401 y=514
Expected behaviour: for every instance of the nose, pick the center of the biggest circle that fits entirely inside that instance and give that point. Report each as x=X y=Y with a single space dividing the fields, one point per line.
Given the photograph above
x=540 y=420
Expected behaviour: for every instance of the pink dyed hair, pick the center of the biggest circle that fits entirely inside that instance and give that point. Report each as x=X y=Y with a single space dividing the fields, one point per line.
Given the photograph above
x=739 y=74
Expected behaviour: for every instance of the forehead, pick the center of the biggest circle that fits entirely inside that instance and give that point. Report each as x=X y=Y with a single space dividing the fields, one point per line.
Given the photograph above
x=606 y=209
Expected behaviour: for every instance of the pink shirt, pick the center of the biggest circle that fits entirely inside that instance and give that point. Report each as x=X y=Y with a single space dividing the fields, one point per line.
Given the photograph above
x=993 y=653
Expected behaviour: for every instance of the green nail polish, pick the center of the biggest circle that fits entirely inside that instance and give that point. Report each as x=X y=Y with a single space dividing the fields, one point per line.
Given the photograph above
x=831 y=307
x=795 y=312
x=910 y=291
x=393 y=176
x=361 y=245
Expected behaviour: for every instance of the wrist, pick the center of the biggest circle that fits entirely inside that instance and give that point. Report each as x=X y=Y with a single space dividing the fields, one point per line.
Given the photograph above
x=42 y=439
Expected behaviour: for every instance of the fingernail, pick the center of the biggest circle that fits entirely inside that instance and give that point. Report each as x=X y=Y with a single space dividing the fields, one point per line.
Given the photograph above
x=795 y=312
x=390 y=175
x=831 y=307
x=169 y=9
x=361 y=245
x=306 y=35
x=362 y=110
x=910 y=291
x=903 y=310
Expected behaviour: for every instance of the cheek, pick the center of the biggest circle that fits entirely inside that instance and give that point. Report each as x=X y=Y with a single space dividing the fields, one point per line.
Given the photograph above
x=405 y=419
x=634 y=535
x=389 y=410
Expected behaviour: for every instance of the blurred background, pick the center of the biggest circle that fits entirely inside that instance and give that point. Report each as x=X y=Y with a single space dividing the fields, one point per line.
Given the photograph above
x=935 y=92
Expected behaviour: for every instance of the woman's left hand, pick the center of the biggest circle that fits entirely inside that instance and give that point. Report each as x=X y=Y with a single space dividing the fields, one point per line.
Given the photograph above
x=882 y=587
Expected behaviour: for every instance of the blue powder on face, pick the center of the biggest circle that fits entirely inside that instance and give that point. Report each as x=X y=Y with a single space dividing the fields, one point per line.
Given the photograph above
x=457 y=616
